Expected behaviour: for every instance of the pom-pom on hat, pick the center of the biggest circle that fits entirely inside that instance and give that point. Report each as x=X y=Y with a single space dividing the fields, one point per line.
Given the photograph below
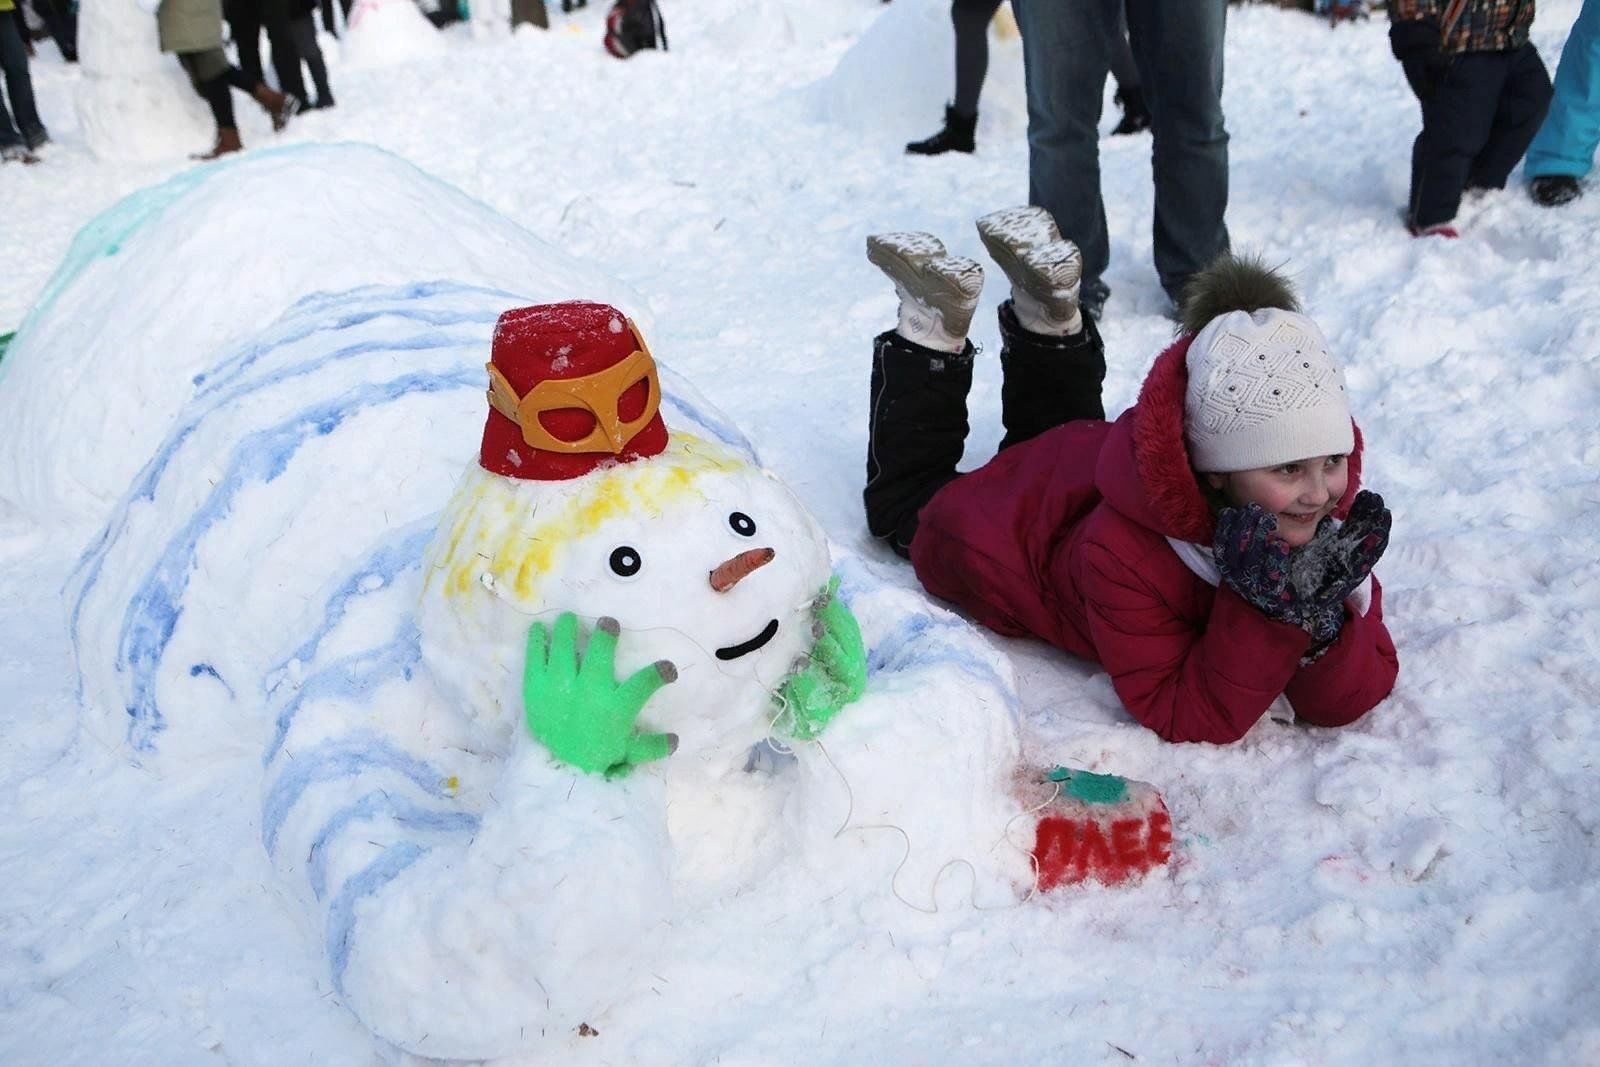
x=572 y=387
x=1262 y=387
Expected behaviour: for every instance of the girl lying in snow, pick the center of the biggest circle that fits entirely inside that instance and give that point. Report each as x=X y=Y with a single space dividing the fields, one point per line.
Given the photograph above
x=1194 y=546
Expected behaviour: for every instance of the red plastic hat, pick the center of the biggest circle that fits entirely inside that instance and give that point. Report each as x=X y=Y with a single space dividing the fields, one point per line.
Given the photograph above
x=572 y=386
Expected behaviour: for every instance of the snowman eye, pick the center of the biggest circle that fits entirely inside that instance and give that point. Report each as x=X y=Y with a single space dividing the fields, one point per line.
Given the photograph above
x=625 y=561
x=742 y=524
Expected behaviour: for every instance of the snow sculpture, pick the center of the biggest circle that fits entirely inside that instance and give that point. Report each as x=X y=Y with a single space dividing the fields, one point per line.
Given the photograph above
x=134 y=101
x=383 y=32
x=262 y=594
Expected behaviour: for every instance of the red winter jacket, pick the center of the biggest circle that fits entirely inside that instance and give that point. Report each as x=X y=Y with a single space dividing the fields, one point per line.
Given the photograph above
x=1064 y=537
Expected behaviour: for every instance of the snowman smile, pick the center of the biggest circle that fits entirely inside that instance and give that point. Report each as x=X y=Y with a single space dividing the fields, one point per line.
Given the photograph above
x=744 y=648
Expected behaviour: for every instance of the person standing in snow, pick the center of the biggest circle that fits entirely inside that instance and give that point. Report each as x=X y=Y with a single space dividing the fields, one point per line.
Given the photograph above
x=1209 y=548
x=303 y=29
x=192 y=29
x=1066 y=51
x=971 y=20
x=1563 y=150
x=1483 y=90
x=17 y=143
x=248 y=18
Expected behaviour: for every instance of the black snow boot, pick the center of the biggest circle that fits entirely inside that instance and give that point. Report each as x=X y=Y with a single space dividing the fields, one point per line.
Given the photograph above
x=916 y=429
x=1553 y=190
x=957 y=135
x=1135 y=116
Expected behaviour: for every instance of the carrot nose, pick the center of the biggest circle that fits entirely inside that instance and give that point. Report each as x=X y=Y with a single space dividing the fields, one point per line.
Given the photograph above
x=731 y=572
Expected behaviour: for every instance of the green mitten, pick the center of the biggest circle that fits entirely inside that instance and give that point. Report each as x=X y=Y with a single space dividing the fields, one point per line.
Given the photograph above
x=576 y=708
x=834 y=675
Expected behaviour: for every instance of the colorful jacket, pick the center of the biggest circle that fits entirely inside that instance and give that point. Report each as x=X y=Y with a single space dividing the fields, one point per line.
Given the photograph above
x=1470 y=25
x=1065 y=537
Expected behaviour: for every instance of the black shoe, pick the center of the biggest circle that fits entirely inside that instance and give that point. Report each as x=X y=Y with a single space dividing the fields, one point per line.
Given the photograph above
x=323 y=102
x=1553 y=190
x=957 y=135
x=1135 y=116
x=36 y=139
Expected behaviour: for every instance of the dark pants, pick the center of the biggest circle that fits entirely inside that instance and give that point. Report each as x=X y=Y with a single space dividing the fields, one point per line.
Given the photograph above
x=917 y=425
x=1476 y=124
x=212 y=76
x=62 y=23
x=19 y=86
x=329 y=23
x=247 y=18
x=971 y=21
x=305 y=43
x=1177 y=49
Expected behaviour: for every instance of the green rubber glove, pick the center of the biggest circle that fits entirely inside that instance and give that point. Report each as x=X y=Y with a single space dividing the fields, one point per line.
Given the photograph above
x=835 y=673
x=576 y=708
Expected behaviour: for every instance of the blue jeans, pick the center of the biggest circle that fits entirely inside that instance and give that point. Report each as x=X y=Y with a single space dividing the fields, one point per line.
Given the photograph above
x=19 y=86
x=1177 y=48
x=1566 y=142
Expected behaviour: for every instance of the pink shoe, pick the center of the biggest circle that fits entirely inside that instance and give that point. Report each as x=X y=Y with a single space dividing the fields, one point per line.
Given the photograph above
x=1438 y=229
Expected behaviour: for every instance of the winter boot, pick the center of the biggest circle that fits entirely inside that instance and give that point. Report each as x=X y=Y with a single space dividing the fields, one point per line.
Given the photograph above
x=938 y=292
x=957 y=135
x=281 y=106
x=227 y=143
x=1553 y=190
x=15 y=153
x=916 y=430
x=1045 y=269
x=1135 y=116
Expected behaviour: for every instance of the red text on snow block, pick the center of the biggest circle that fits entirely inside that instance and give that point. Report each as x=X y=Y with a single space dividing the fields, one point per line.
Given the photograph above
x=1100 y=828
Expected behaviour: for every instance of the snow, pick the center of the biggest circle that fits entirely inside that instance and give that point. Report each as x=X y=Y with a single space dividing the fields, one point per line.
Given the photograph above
x=1420 y=887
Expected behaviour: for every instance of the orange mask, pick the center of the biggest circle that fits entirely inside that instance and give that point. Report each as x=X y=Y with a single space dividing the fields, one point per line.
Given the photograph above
x=599 y=394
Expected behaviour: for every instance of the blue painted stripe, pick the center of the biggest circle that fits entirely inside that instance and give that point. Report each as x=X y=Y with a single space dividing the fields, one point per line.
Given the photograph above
x=342 y=914
x=395 y=554
x=375 y=805
x=914 y=642
x=358 y=753
x=145 y=484
x=155 y=607
x=350 y=677
x=331 y=312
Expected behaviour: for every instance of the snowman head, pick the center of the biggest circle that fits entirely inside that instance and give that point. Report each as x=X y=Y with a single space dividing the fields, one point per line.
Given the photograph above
x=703 y=558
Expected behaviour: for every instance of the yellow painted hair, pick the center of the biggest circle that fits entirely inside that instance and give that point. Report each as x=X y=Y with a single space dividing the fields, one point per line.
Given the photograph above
x=516 y=531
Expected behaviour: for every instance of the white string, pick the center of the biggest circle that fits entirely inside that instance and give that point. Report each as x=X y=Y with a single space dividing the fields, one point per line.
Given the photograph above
x=905 y=837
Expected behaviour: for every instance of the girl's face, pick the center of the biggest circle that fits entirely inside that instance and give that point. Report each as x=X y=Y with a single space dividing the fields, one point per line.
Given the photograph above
x=1300 y=494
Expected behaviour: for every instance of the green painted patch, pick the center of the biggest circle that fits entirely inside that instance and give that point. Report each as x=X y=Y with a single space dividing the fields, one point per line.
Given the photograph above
x=1089 y=787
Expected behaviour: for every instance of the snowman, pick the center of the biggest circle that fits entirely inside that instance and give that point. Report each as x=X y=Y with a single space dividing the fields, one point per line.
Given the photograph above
x=646 y=692
x=622 y=593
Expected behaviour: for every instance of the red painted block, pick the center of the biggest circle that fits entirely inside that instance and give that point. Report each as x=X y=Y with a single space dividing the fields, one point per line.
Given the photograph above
x=1100 y=828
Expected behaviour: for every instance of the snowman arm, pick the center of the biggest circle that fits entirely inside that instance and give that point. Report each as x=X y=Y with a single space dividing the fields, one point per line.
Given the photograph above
x=833 y=675
x=574 y=705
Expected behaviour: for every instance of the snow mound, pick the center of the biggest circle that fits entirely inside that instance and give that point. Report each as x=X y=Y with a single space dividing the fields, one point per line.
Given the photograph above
x=897 y=77
x=254 y=592
x=342 y=217
x=385 y=32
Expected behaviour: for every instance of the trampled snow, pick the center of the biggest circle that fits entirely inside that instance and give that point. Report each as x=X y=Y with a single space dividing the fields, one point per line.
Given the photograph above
x=1419 y=887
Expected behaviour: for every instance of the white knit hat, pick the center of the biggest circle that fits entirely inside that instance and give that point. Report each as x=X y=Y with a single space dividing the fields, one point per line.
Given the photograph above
x=1263 y=390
